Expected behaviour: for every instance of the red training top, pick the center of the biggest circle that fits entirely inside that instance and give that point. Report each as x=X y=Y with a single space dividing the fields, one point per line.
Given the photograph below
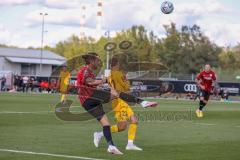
x=85 y=91
x=207 y=79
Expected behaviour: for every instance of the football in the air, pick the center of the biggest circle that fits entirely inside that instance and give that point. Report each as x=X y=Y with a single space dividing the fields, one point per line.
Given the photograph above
x=167 y=7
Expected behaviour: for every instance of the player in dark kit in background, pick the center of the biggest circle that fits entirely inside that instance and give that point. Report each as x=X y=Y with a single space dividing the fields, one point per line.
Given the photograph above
x=205 y=81
x=92 y=97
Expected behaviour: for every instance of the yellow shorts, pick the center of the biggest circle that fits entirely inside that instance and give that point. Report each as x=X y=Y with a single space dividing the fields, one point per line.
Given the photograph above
x=64 y=89
x=122 y=110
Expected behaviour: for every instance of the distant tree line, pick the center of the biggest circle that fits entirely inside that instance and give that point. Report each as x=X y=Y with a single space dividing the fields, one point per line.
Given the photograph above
x=182 y=51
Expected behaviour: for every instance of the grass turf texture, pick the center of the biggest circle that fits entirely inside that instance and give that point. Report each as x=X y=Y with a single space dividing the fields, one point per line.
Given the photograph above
x=216 y=136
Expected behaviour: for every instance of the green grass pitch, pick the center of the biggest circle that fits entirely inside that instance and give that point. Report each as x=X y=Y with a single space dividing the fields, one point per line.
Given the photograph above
x=27 y=123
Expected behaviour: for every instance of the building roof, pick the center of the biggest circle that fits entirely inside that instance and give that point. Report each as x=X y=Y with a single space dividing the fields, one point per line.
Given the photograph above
x=29 y=53
x=35 y=61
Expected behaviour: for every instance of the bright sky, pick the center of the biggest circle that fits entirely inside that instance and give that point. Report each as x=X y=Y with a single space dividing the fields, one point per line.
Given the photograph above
x=20 y=22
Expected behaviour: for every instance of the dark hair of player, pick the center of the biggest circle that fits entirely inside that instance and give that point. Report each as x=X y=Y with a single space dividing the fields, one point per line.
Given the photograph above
x=114 y=61
x=89 y=57
x=64 y=66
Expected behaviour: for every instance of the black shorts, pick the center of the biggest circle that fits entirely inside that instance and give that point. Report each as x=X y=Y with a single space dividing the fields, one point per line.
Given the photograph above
x=205 y=94
x=93 y=105
x=94 y=108
x=103 y=96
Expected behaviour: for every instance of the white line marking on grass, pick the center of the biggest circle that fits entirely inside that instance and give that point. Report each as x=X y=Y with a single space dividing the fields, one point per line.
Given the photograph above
x=15 y=112
x=205 y=124
x=48 y=154
x=36 y=112
x=182 y=99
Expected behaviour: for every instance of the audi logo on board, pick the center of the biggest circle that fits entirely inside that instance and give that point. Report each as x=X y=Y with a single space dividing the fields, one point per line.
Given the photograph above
x=190 y=88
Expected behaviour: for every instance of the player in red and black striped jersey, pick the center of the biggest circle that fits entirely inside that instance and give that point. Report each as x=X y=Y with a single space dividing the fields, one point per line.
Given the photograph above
x=92 y=98
x=205 y=81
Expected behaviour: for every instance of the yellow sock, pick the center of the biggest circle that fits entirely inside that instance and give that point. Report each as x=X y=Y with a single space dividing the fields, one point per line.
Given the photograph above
x=63 y=97
x=132 y=129
x=114 y=129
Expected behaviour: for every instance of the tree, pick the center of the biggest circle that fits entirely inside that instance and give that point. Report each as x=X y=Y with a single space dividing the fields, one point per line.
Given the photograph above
x=182 y=51
x=186 y=50
x=230 y=58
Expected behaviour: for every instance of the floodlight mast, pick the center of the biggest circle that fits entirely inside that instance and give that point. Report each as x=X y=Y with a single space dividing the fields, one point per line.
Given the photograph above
x=107 y=71
x=41 y=55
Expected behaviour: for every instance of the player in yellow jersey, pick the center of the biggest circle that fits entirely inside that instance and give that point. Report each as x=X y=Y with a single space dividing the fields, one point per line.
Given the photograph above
x=123 y=112
x=64 y=79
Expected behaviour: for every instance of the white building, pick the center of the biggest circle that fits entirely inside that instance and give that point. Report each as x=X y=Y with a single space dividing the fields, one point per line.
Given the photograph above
x=27 y=61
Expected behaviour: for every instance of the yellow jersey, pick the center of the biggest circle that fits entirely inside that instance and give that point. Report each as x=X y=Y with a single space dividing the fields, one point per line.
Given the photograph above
x=118 y=81
x=64 y=78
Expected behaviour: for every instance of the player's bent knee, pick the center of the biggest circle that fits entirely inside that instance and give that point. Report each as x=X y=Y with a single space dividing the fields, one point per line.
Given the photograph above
x=103 y=120
x=134 y=120
x=122 y=126
x=205 y=101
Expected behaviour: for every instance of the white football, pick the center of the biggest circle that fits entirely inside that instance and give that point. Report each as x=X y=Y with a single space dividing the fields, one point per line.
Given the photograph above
x=167 y=7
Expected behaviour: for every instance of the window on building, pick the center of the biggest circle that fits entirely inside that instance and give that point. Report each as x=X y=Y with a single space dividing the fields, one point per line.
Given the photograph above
x=28 y=69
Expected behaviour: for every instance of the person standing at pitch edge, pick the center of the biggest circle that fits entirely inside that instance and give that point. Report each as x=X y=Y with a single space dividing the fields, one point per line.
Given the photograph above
x=205 y=81
x=63 y=82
